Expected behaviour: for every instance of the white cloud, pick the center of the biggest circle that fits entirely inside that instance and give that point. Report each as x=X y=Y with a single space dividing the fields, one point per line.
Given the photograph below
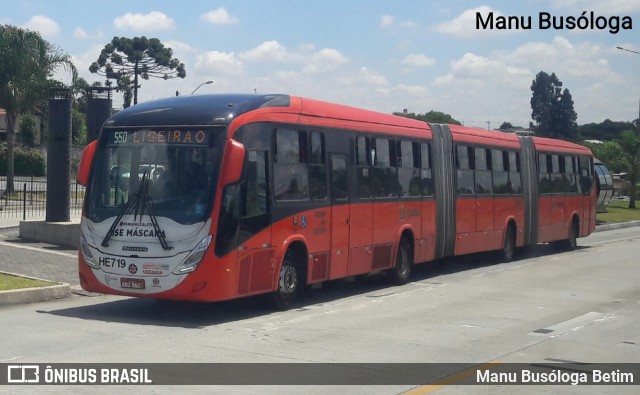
x=479 y=88
x=608 y=7
x=565 y=58
x=42 y=24
x=372 y=77
x=179 y=46
x=219 y=16
x=411 y=89
x=215 y=62
x=496 y=86
x=82 y=63
x=324 y=61
x=472 y=66
x=153 y=21
x=267 y=51
x=84 y=60
x=389 y=21
x=464 y=25
x=418 y=60
x=80 y=33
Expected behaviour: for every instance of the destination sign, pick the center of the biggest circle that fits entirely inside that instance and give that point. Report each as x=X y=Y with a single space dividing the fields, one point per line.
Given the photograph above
x=151 y=136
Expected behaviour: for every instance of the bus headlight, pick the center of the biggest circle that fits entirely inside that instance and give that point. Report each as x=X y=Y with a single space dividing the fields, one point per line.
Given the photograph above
x=192 y=261
x=86 y=253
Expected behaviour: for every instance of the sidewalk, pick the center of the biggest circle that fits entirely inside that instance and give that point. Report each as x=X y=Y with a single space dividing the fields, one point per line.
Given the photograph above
x=35 y=228
x=14 y=222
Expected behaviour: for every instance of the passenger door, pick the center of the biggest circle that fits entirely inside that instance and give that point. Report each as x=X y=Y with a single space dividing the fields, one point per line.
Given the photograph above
x=255 y=252
x=339 y=216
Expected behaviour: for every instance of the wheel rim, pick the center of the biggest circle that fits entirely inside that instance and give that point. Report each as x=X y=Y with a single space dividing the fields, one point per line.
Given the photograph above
x=288 y=280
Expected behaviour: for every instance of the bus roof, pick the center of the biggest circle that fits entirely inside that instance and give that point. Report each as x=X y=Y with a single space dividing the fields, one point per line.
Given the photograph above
x=552 y=145
x=339 y=112
x=483 y=136
x=310 y=112
x=194 y=110
x=223 y=109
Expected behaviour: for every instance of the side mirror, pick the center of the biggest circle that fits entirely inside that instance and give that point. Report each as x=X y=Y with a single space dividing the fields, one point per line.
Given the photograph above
x=233 y=160
x=85 y=163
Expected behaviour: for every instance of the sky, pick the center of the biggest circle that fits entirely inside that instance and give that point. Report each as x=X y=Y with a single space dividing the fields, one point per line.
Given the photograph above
x=418 y=55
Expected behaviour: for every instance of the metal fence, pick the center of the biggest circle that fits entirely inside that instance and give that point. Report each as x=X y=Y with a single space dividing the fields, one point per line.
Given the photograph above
x=29 y=200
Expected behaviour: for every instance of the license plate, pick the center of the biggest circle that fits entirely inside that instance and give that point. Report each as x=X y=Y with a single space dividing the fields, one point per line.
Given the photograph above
x=133 y=283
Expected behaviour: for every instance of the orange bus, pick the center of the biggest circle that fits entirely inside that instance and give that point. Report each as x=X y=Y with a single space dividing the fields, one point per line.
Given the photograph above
x=209 y=198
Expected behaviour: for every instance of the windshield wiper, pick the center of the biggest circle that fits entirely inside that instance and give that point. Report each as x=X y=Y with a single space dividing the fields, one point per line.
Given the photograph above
x=139 y=203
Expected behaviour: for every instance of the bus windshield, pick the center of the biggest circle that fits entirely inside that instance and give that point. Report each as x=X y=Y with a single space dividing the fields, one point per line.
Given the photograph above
x=178 y=167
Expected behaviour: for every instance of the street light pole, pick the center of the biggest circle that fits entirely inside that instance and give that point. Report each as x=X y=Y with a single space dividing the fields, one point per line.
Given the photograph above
x=204 y=83
x=628 y=50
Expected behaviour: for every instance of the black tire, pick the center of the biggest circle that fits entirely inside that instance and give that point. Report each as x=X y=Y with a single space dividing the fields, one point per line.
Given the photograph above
x=572 y=241
x=509 y=246
x=401 y=272
x=288 y=283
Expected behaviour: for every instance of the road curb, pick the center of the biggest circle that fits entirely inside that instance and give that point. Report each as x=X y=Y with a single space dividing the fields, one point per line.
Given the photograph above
x=619 y=225
x=33 y=295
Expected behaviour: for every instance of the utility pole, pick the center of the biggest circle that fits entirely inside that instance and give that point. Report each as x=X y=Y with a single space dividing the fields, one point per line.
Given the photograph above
x=636 y=52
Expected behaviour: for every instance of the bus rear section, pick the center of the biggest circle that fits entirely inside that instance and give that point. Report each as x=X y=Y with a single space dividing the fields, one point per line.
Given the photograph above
x=566 y=191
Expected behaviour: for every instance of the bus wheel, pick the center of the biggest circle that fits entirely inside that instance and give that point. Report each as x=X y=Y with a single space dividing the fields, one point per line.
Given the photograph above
x=571 y=243
x=402 y=270
x=288 y=283
x=509 y=247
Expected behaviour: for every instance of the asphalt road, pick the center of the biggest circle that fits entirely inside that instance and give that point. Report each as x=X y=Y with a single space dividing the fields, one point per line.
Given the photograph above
x=547 y=306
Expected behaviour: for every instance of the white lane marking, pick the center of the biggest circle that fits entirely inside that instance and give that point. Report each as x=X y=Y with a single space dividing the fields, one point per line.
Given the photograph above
x=571 y=325
x=38 y=249
x=10 y=359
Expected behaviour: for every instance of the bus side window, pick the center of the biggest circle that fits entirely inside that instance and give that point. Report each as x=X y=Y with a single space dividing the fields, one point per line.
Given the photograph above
x=464 y=172
x=556 y=174
x=409 y=171
x=317 y=167
x=586 y=179
x=385 y=175
x=515 y=181
x=291 y=176
x=483 y=184
x=363 y=178
x=500 y=175
x=339 y=183
x=227 y=233
x=543 y=174
x=569 y=174
x=426 y=176
x=256 y=198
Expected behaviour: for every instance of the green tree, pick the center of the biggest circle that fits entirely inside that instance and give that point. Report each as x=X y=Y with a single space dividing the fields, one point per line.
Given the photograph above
x=630 y=144
x=611 y=154
x=78 y=126
x=125 y=60
x=431 y=116
x=552 y=108
x=27 y=61
x=27 y=130
x=606 y=130
x=505 y=126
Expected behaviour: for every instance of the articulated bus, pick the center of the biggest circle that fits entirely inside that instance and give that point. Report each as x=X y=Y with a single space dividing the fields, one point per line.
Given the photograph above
x=209 y=198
